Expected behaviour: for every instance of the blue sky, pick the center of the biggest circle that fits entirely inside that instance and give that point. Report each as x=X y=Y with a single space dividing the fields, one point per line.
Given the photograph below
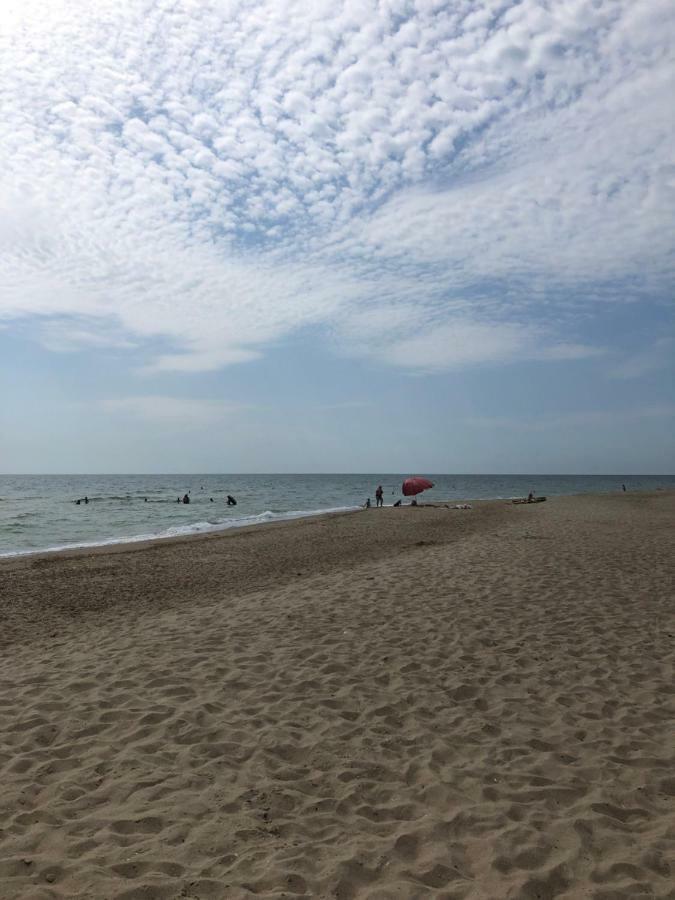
x=285 y=236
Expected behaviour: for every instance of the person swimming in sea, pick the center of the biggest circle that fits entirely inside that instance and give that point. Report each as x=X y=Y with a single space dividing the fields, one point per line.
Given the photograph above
x=231 y=501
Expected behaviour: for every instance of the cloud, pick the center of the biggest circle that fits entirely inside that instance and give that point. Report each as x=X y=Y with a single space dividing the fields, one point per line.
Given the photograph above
x=67 y=335
x=566 y=351
x=457 y=344
x=223 y=176
x=171 y=410
x=592 y=419
x=396 y=336
x=659 y=356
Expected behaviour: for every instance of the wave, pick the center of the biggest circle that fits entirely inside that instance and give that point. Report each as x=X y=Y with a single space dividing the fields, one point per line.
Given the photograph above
x=186 y=530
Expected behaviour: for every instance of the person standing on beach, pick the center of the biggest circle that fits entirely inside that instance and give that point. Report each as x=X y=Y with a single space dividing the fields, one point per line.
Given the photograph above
x=379 y=496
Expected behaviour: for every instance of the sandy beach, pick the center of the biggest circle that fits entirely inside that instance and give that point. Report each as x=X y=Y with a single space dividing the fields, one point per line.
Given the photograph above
x=400 y=703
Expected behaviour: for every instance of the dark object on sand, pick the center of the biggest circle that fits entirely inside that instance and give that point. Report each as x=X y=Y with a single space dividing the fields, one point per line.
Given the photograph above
x=529 y=499
x=398 y=503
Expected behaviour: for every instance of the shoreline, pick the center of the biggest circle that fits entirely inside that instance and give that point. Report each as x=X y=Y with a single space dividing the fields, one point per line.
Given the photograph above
x=423 y=702
x=291 y=516
x=97 y=580
x=208 y=529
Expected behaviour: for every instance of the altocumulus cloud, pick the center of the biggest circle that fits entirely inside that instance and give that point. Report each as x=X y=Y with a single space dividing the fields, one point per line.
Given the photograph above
x=434 y=184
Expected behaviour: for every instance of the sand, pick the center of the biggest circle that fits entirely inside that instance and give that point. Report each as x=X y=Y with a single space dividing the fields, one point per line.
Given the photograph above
x=398 y=703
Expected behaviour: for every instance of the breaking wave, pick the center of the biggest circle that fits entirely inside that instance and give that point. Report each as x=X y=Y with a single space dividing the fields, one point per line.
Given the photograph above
x=193 y=528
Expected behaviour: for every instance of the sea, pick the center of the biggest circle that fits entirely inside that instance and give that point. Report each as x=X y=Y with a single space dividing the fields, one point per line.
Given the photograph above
x=41 y=512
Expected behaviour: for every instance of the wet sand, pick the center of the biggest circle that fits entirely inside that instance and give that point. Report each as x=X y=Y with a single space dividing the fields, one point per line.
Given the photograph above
x=398 y=703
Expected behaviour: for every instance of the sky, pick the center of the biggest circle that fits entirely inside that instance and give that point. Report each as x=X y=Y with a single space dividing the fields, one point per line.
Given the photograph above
x=394 y=236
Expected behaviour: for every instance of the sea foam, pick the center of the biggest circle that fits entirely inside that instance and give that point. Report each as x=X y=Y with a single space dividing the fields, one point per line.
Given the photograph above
x=189 y=529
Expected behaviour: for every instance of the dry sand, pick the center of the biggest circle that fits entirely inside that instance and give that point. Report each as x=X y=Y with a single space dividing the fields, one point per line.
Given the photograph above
x=399 y=703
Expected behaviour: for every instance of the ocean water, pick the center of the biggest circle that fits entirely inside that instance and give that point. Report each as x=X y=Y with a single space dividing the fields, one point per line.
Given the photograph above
x=39 y=512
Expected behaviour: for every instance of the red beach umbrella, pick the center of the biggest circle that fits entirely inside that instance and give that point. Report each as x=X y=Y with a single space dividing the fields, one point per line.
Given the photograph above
x=415 y=485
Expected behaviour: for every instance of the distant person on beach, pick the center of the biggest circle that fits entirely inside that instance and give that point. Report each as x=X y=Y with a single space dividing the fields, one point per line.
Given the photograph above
x=398 y=503
x=231 y=501
x=530 y=497
x=366 y=505
x=186 y=499
x=623 y=488
x=86 y=499
x=379 y=496
x=177 y=499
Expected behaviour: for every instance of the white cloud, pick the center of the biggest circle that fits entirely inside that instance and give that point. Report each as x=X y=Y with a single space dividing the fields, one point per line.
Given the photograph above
x=64 y=336
x=450 y=339
x=592 y=419
x=171 y=410
x=457 y=344
x=659 y=356
x=569 y=351
x=221 y=176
